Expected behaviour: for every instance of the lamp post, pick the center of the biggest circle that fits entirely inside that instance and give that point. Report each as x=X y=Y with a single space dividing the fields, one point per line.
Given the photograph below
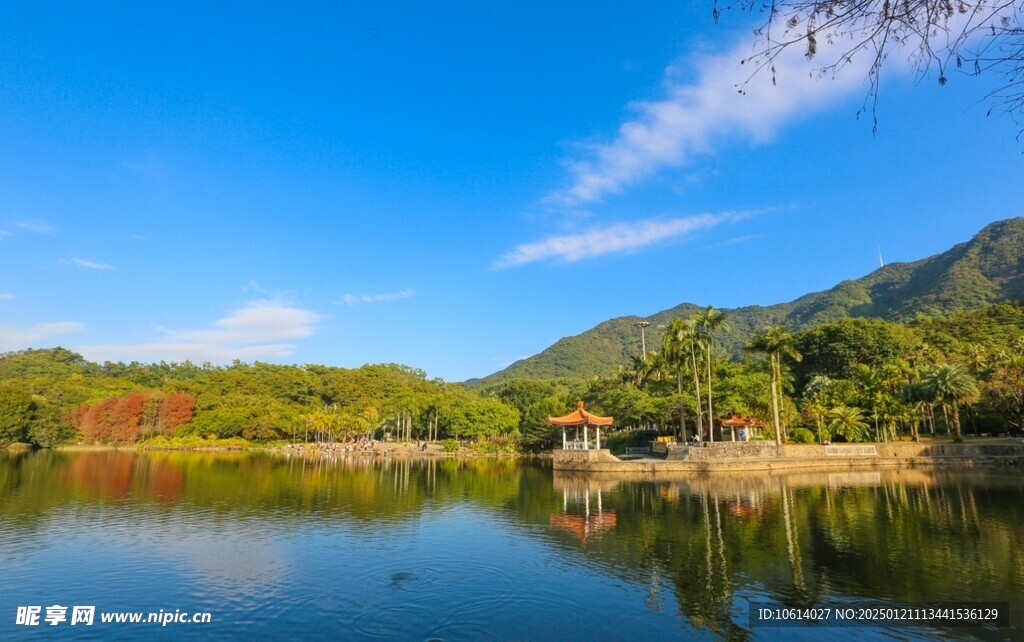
x=642 y=324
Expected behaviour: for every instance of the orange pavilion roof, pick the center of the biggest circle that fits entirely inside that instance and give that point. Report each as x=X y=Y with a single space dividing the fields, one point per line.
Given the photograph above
x=741 y=421
x=584 y=526
x=580 y=417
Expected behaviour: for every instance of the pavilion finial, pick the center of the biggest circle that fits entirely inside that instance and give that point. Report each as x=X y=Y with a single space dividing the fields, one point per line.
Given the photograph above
x=579 y=405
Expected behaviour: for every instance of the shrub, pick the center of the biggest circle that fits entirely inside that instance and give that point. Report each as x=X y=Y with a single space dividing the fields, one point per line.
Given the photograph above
x=801 y=436
x=450 y=445
x=495 y=446
x=188 y=442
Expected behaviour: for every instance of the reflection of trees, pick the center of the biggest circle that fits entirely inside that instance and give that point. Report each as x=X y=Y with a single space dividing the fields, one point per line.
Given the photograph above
x=897 y=535
x=244 y=484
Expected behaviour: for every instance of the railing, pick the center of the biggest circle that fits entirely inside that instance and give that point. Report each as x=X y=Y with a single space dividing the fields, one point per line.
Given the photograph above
x=644 y=450
x=851 y=451
x=575 y=445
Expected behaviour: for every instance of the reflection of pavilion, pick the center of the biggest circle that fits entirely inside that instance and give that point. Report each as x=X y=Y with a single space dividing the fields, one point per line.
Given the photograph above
x=583 y=512
x=576 y=419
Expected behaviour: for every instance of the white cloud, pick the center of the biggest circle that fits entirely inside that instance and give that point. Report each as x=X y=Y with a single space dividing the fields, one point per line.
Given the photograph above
x=258 y=322
x=260 y=330
x=12 y=338
x=35 y=226
x=351 y=299
x=613 y=239
x=5 y=296
x=694 y=116
x=88 y=264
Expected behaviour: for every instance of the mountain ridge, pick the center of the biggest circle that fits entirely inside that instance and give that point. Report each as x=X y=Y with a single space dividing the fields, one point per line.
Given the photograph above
x=986 y=269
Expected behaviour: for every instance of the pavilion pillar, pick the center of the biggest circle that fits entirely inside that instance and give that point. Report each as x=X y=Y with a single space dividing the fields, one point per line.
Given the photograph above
x=586 y=439
x=563 y=438
x=599 y=437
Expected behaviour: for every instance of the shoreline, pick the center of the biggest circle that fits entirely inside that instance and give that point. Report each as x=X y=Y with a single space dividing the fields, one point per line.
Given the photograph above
x=397 y=450
x=730 y=458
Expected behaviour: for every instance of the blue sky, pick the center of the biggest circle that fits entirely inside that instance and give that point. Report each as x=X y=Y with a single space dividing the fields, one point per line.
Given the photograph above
x=451 y=186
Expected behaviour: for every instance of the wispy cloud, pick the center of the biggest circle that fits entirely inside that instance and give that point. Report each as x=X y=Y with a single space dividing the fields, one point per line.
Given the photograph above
x=259 y=330
x=12 y=338
x=352 y=299
x=88 y=264
x=613 y=239
x=259 y=321
x=736 y=240
x=35 y=226
x=695 y=116
x=4 y=296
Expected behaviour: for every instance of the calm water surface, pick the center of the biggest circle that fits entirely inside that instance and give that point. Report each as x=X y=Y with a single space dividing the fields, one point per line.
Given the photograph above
x=278 y=548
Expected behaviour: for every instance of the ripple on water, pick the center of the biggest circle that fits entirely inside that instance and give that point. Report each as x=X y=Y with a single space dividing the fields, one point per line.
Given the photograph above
x=398 y=621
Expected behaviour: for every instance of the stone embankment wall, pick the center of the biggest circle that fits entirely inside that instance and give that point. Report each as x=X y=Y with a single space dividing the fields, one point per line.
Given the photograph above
x=571 y=458
x=767 y=456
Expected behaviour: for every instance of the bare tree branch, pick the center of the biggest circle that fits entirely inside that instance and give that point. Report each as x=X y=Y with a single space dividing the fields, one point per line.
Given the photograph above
x=971 y=36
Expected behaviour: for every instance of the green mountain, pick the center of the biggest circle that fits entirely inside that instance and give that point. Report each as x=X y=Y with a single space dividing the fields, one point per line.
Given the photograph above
x=987 y=269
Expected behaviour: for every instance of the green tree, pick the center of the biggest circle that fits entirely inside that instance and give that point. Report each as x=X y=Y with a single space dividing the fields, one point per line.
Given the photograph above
x=1004 y=392
x=953 y=386
x=16 y=408
x=776 y=342
x=680 y=344
x=711 y=320
x=536 y=432
x=848 y=422
x=474 y=417
x=47 y=429
x=837 y=349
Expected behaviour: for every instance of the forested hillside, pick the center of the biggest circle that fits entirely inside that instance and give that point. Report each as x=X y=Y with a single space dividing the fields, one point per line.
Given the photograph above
x=987 y=269
x=52 y=396
x=852 y=379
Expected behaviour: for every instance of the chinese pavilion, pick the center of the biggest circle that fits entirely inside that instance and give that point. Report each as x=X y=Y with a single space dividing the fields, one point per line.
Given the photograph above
x=576 y=419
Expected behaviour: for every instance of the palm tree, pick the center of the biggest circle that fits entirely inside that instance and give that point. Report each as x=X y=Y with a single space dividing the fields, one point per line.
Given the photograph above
x=709 y=321
x=816 y=412
x=673 y=353
x=636 y=371
x=682 y=338
x=847 y=421
x=776 y=342
x=952 y=385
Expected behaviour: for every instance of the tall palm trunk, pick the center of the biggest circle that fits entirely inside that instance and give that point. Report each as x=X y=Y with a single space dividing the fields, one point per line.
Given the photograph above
x=682 y=406
x=775 y=399
x=696 y=385
x=711 y=415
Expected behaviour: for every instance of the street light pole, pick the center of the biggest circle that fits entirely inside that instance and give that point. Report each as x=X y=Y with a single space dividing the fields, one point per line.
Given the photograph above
x=643 y=338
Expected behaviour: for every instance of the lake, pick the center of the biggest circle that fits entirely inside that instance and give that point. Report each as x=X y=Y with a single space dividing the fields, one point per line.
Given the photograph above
x=446 y=549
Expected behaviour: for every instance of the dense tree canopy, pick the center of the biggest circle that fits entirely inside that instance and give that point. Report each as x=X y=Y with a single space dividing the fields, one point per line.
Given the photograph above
x=849 y=379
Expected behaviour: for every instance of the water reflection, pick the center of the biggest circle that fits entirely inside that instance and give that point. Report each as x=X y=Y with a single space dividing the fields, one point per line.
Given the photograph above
x=576 y=516
x=817 y=538
x=445 y=545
